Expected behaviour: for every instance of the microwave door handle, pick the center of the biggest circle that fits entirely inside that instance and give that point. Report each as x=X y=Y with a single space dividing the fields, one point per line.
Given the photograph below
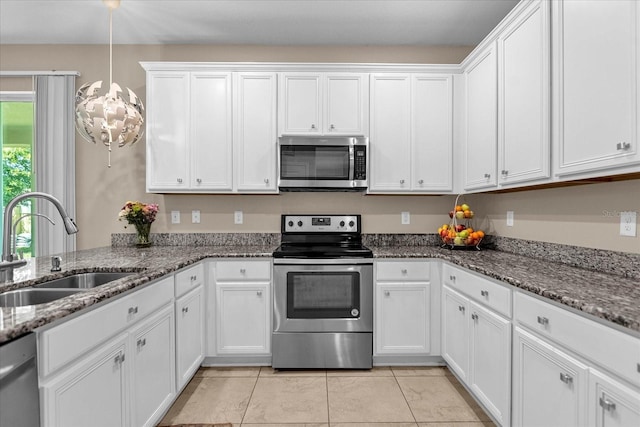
x=352 y=161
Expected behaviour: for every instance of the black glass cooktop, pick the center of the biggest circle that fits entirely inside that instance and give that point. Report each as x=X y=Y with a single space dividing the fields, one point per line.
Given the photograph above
x=299 y=250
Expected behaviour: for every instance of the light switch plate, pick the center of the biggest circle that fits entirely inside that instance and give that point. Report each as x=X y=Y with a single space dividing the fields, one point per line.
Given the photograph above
x=175 y=217
x=509 y=218
x=628 y=223
x=195 y=216
x=406 y=218
x=237 y=217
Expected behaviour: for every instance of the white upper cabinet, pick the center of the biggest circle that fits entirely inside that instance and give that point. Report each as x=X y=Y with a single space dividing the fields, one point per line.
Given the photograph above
x=481 y=110
x=596 y=78
x=524 y=96
x=255 y=131
x=411 y=133
x=323 y=104
x=189 y=131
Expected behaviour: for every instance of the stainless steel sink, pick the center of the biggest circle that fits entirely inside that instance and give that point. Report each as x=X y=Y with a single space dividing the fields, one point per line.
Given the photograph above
x=32 y=296
x=84 y=280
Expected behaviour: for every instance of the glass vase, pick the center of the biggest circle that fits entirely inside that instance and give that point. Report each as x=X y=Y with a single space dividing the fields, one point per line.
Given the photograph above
x=143 y=231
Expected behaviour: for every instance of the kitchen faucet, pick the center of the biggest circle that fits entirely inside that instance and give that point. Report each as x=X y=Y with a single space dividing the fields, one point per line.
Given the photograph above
x=9 y=260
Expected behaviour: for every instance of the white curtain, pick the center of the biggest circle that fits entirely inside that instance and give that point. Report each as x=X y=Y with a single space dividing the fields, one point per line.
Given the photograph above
x=55 y=159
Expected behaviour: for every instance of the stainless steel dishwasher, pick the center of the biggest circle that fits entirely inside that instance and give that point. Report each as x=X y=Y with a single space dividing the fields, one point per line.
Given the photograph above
x=19 y=397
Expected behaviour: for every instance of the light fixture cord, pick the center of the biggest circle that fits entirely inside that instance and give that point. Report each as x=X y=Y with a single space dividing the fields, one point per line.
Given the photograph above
x=110 y=74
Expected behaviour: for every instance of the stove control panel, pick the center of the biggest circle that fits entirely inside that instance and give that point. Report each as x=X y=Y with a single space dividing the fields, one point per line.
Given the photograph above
x=321 y=223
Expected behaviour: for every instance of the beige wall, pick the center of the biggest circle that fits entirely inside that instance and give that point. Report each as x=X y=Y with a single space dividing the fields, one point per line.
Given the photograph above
x=568 y=215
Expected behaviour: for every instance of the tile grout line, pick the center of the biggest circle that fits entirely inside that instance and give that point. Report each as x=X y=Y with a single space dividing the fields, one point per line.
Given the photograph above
x=255 y=384
x=404 y=396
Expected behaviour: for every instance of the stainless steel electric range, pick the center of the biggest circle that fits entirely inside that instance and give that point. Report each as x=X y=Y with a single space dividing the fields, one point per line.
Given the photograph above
x=323 y=294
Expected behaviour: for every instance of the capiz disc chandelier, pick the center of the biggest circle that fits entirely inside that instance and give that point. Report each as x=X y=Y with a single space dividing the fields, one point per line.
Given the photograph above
x=112 y=118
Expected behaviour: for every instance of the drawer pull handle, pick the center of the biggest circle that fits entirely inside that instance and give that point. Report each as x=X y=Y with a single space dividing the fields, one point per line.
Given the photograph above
x=543 y=321
x=133 y=310
x=185 y=309
x=487 y=175
x=484 y=293
x=119 y=359
x=452 y=278
x=259 y=293
x=142 y=342
x=179 y=180
x=474 y=316
x=461 y=308
x=607 y=405
x=623 y=145
x=193 y=278
x=421 y=181
x=402 y=181
x=403 y=271
x=266 y=180
x=387 y=293
x=566 y=378
x=199 y=180
x=243 y=271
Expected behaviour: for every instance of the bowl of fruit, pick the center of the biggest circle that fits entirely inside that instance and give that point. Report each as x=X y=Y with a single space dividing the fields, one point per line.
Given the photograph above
x=458 y=233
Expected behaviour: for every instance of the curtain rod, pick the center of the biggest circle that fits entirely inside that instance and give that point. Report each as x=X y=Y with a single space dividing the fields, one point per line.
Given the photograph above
x=38 y=73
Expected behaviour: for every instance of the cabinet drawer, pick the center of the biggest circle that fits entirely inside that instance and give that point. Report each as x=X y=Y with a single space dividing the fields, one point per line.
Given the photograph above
x=243 y=270
x=69 y=340
x=614 y=350
x=402 y=270
x=189 y=279
x=493 y=295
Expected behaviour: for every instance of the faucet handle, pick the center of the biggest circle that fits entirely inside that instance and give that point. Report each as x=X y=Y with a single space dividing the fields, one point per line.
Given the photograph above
x=55 y=263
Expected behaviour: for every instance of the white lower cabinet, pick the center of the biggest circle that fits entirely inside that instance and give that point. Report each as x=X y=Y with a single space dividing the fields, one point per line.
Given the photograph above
x=548 y=385
x=243 y=307
x=92 y=393
x=152 y=368
x=189 y=335
x=612 y=404
x=476 y=340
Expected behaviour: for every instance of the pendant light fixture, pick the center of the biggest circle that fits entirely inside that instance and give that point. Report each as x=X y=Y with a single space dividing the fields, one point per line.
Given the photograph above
x=112 y=118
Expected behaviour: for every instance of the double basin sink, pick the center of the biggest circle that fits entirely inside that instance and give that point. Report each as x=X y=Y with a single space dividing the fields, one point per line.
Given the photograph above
x=58 y=288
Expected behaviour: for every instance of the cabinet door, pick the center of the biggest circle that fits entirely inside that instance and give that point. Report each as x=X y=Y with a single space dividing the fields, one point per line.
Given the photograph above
x=612 y=404
x=524 y=96
x=189 y=335
x=242 y=318
x=210 y=139
x=549 y=387
x=153 y=368
x=490 y=361
x=455 y=332
x=432 y=133
x=300 y=104
x=481 y=140
x=596 y=77
x=402 y=318
x=346 y=104
x=255 y=131
x=390 y=132
x=92 y=393
x=167 y=130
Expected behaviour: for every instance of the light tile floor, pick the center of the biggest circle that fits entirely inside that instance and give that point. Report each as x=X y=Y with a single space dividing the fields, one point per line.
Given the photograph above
x=381 y=397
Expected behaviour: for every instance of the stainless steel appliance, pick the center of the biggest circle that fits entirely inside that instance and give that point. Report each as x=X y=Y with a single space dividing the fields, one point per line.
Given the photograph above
x=314 y=163
x=323 y=294
x=19 y=396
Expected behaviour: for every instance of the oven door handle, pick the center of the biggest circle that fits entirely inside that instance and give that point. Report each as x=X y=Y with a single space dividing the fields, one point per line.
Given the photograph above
x=323 y=261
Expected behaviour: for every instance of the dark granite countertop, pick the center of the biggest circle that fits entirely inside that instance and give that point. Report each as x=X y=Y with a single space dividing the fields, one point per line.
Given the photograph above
x=615 y=299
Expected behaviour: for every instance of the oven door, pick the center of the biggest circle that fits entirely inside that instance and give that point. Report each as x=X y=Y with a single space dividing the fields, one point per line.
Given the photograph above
x=323 y=296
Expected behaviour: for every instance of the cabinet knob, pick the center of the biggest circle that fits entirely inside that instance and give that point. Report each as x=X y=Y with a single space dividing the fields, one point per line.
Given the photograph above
x=505 y=172
x=142 y=342
x=259 y=293
x=243 y=270
x=484 y=293
x=193 y=278
x=474 y=316
x=421 y=181
x=403 y=271
x=313 y=126
x=543 y=321
x=119 y=359
x=387 y=293
x=566 y=378
x=133 y=310
x=266 y=180
x=607 y=404
x=487 y=175
x=179 y=180
x=452 y=278
x=199 y=180
x=623 y=145
x=332 y=127
x=185 y=309
x=402 y=181
x=461 y=308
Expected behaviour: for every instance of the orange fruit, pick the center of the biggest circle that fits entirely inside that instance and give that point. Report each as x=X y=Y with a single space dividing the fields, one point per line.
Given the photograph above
x=458 y=208
x=480 y=234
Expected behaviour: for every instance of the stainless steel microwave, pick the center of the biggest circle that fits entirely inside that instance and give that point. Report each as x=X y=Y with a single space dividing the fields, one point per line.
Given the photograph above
x=323 y=163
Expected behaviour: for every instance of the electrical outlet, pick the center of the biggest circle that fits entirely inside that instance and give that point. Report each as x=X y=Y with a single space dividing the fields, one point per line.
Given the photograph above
x=195 y=217
x=628 y=223
x=175 y=217
x=406 y=218
x=509 y=218
x=237 y=217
